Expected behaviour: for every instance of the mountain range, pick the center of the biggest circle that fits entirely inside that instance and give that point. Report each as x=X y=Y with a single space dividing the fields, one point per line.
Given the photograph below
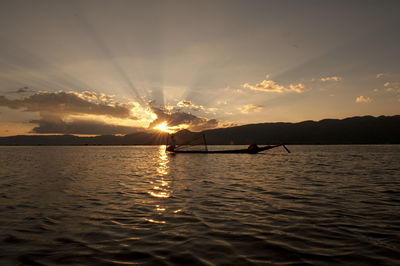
x=353 y=130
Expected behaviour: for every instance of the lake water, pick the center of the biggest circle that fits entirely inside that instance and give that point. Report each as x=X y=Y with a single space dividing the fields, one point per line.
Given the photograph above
x=319 y=205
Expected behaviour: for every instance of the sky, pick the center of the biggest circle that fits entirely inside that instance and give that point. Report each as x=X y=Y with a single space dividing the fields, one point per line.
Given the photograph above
x=118 y=67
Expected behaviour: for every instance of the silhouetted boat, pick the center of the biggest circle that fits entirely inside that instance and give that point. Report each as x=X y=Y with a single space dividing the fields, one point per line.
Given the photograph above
x=250 y=150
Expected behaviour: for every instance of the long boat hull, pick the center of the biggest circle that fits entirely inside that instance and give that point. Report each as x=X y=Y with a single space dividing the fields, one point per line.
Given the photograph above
x=248 y=151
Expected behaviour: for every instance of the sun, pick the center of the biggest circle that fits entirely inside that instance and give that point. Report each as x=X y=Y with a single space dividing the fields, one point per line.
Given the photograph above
x=163 y=127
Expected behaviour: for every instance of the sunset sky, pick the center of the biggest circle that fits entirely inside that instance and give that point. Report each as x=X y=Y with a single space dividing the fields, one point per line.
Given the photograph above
x=116 y=67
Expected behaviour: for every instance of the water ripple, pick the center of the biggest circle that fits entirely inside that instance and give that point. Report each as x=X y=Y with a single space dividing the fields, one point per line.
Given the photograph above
x=325 y=205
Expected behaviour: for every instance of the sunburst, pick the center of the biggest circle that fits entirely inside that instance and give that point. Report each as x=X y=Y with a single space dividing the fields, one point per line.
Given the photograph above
x=163 y=127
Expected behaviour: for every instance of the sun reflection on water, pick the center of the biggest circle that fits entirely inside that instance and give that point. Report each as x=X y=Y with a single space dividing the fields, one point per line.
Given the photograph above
x=160 y=187
x=163 y=161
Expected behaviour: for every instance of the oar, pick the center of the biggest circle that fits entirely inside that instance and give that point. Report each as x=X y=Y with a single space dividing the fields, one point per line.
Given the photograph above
x=286 y=148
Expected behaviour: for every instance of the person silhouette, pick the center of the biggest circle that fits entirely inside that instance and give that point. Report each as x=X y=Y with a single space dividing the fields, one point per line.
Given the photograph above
x=172 y=146
x=253 y=148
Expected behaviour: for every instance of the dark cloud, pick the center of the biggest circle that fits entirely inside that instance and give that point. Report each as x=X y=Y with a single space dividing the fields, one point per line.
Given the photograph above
x=195 y=123
x=67 y=103
x=83 y=127
x=74 y=113
x=94 y=114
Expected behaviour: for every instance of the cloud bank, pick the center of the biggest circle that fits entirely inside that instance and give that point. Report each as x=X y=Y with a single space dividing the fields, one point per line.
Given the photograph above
x=80 y=113
x=62 y=103
x=94 y=113
x=193 y=122
x=81 y=127
x=272 y=86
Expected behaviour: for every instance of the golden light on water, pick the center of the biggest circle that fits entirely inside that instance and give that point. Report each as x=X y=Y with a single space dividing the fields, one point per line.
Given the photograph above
x=160 y=188
x=160 y=209
x=163 y=161
x=159 y=194
x=155 y=222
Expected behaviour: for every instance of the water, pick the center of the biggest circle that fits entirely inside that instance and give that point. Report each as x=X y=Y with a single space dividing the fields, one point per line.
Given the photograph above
x=320 y=205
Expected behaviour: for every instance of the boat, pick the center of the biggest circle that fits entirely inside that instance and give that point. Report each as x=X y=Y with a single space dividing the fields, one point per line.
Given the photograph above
x=248 y=150
x=252 y=149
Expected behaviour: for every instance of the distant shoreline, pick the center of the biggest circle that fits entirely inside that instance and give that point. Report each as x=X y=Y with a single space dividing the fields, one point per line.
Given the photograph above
x=366 y=130
x=149 y=145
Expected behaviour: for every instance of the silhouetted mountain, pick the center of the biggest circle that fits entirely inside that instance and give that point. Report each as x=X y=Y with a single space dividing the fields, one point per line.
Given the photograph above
x=354 y=130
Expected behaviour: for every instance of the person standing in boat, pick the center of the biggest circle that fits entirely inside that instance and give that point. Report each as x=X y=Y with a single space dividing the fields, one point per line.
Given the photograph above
x=253 y=148
x=172 y=146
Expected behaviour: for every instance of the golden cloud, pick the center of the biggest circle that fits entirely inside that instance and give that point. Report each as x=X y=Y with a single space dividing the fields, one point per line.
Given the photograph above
x=81 y=113
x=334 y=78
x=363 y=99
x=193 y=122
x=272 y=86
x=190 y=105
x=250 y=108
